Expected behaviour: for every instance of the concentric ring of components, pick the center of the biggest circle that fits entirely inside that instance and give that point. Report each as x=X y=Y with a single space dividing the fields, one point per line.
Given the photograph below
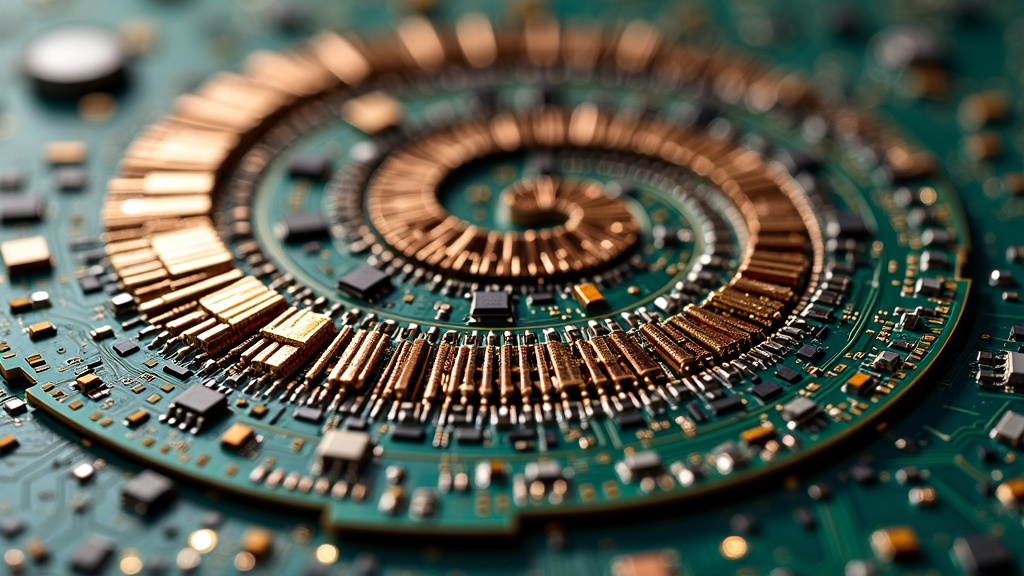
x=676 y=399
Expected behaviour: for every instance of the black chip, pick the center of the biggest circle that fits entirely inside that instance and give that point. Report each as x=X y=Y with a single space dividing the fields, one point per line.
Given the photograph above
x=365 y=282
x=984 y=555
x=358 y=424
x=627 y=420
x=491 y=304
x=863 y=474
x=821 y=333
x=309 y=414
x=125 y=348
x=469 y=436
x=788 y=374
x=935 y=238
x=766 y=390
x=542 y=299
x=310 y=165
x=302 y=227
x=551 y=439
x=696 y=413
x=986 y=454
x=90 y=284
x=408 y=433
x=847 y=225
x=147 y=492
x=904 y=345
x=71 y=61
x=22 y=209
x=522 y=435
x=725 y=405
x=91 y=555
x=201 y=401
x=1017 y=333
x=809 y=352
x=819 y=313
x=11 y=180
x=179 y=372
x=72 y=178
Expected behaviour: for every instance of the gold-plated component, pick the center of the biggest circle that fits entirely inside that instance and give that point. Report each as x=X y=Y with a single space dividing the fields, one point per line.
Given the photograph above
x=41 y=330
x=373 y=112
x=297 y=327
x=237 y=437
x=1011 y=493
x=589 y=297
x=898 y=543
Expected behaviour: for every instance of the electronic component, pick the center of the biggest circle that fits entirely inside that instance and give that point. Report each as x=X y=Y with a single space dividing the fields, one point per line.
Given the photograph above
x=365 y=282
x=147 y=492
x=194 y=407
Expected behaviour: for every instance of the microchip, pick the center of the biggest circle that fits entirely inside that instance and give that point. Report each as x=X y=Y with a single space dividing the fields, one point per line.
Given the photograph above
x=847 y=225
x=491 y=304
x=627 y=420
x=311 y=166
x=639 y=464
x=90 y=284
x=125 y=348
x=408 y=433
x=799 y=410
x=928 y=287
x=936 y=238
x=147 y=492
x=787 y=374
x=178 y=371
x=1013 y=369
x=984 y=555
x=934 y=260
x=1017 y=333
x=766 y=390
x=1009 y=430
x=469 y=436
x=905 y=345
x=887 y=360
x=22 y=209
x=199 y=400
x=542 y=299
x=725 y=405
x=71 y=178
x=343 y=447
x=365 y=282
x=92 y=555
x=809 y=353
x=302 y=227
x=308 y=414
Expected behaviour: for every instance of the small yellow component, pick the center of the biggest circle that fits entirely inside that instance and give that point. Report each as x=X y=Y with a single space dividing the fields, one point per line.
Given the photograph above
x=373 y=112
x=859 y=384
x=37 y=550
x=1011 y=493
x=41 y=330
x=153 y=398
x=758 y=435
x=258 y=541
x=167 y=387
x=589 y=297
x=76 y=405
x=259 y=411
x=26 y=256
x=68 y=152
x=8 y=443
x=19 y=305
x=87 y=382
x=237 y=436
x=897 y=543
x=136 y=418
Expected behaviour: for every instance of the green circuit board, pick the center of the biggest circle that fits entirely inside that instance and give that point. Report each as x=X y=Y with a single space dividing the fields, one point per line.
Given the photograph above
x=628 y=288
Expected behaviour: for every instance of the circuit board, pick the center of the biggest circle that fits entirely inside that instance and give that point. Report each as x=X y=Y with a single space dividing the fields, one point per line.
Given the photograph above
x=455 y=287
